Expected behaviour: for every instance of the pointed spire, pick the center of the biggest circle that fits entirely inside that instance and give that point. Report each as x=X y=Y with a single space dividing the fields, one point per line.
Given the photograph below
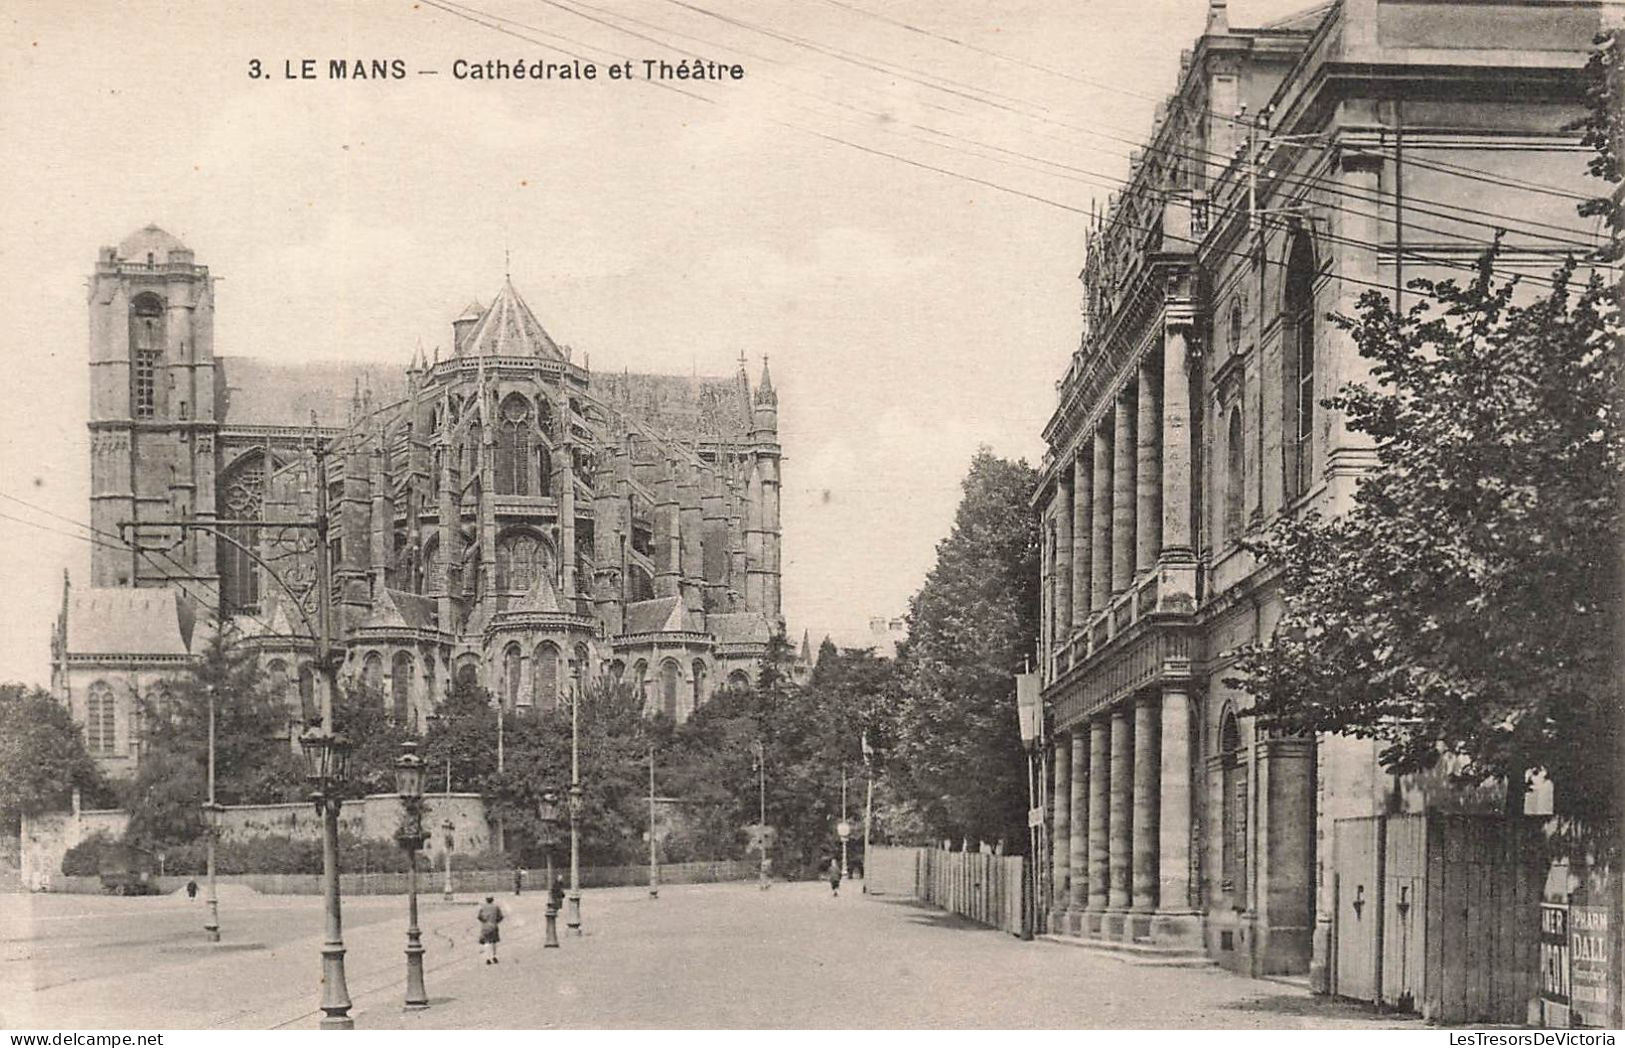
x=806 y=647
x=764 y=392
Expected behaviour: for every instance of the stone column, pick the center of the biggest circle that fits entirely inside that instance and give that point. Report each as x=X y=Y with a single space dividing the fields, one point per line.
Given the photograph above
x=1083 y=523
x=1175 y=918
x=1061 y=827
x=1063 y=557
x=1100 y=545
x=1147 y=762
x=1148 y=476
x=1123 y=460
x=1176 y=447
x=1078 y=897
x=1100 y=766
x=1122 y=810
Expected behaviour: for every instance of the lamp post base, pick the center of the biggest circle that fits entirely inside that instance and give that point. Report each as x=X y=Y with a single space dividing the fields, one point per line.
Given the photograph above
x=416 y=995
x=551 y=942
x=335 y=994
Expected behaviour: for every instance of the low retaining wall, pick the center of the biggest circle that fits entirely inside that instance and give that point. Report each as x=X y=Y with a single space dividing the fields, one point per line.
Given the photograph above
x=432 y=882
x=985 y=888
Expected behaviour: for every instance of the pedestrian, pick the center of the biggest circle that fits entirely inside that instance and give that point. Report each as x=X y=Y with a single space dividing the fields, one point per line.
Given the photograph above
x=518 y=879
x=835 y=878
x=490 y=916
x=191 y=889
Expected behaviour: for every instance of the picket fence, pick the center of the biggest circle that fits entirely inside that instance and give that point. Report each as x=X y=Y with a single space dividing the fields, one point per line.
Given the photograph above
x=987 y=889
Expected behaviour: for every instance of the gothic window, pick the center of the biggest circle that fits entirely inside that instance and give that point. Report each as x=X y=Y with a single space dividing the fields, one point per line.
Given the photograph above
x=241 y=495
x=101 y=712
x=580 y=671
x=1234 y=482
x=308 y=710
x=642 y=586
x=513 y=447
x=468 y=676
x=738 y=679
x=471 y=454
x=400 y=686
x=372 y=675
x=1235 y=327
x=434 y=568
x=512 y=670
x=699 y=684
x=146 y=349
x=1299 y=409
x=522 y=558
x=640 y=681
x=670 y=672
x=1233 y=858
x=546 y=670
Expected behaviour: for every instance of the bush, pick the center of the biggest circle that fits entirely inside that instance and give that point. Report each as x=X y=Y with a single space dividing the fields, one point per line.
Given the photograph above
x=84 y=858
x=490 y=859
x=283 y=854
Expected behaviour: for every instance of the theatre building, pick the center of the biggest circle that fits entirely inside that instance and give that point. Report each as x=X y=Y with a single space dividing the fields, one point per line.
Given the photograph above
x=1296 y=166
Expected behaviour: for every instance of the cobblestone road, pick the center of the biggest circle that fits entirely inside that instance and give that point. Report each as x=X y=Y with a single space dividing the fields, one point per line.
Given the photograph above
x=698 y=957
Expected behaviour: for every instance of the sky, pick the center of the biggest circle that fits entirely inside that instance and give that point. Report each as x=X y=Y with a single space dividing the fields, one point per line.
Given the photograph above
x=890 y=205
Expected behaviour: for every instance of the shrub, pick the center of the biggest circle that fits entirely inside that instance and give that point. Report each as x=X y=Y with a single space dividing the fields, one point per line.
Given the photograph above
x=84 y=858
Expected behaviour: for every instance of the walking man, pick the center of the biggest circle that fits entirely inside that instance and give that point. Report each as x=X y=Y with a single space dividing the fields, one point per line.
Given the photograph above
x=490 y=916
x=835 y=878
x=191 y=889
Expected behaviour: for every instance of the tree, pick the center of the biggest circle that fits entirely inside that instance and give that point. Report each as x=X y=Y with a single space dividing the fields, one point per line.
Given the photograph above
x=1603 y=127
x=361 y=713
x=1468 y=604
x=252 y=766
x=971 y=626
x=42 y=755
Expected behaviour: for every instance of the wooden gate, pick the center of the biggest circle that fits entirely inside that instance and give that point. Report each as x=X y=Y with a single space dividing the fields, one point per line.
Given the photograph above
x=1438 y=913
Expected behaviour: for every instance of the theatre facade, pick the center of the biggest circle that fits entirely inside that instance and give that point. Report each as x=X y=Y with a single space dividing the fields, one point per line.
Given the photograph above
x=1297 y=166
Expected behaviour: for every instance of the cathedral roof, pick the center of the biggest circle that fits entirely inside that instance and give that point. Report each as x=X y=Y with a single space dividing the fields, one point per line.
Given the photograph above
x=660 y=615
x=509 y=329
x=262 y=392
x=124 y=621
x=150 y=239
x=740 y=627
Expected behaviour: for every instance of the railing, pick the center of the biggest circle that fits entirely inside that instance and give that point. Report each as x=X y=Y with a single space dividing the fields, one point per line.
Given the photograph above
x=1126 y=610
x=988 y=889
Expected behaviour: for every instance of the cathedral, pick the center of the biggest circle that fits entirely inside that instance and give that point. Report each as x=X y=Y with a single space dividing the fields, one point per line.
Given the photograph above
x=497 y=514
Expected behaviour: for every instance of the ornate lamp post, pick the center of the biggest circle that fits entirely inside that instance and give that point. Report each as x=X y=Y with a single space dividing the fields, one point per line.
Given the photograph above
x=211 y=829
x=449 y=830
x=548 y=812
x=573 y=914
x=409 y=786
x=327 y=759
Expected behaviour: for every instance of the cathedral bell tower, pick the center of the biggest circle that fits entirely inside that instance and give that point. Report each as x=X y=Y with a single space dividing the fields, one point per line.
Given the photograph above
x=152 y=412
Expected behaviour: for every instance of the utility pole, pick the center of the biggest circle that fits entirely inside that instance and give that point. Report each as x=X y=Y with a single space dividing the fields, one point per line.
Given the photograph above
x=212 y=926
x=846 y=867
x=654 y=859
x=761 y=818
x=868 y=806
x=572 y=917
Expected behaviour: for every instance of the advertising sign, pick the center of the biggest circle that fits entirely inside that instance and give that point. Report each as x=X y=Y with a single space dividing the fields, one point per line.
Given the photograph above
x=1554 y=964
x=1591 y=958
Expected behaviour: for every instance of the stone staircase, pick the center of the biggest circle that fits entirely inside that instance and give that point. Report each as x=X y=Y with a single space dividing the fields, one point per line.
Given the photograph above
x=1141 y=954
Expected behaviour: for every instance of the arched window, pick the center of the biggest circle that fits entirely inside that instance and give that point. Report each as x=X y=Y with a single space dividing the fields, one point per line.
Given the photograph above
x=147 y=340
x=308 y=711
x=522 y=558
x=513 y=447
x=434 y=568
x=276 y=674
x=101 y=719
x=241 y=497
x=641 y=585
x=468 y=675
x=1299 y=356
x=372 y=675
x=640 y=682
x=1234 y=481
x=512 y=671
x=1235 y=327
x=471 y=454
x=545 y=684
x=400 y=687
x=699 y=684
x=1233 y=859
x=580 y=671
x=670 y=673
x=738 y=679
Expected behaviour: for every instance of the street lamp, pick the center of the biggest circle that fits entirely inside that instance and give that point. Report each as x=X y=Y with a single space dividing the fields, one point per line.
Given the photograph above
x=327 y=766
x=211 y=819
x=409 y=786
x=573 y=914
x=211 y=829
x=449 y=831
x=547 y=810
x=761 y=800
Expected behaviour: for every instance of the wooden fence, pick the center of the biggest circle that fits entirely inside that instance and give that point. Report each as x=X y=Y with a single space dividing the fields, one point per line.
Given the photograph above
x=988 y=889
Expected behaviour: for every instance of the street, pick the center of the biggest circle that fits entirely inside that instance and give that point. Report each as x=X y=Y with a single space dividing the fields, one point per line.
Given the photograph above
x=699 y=956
